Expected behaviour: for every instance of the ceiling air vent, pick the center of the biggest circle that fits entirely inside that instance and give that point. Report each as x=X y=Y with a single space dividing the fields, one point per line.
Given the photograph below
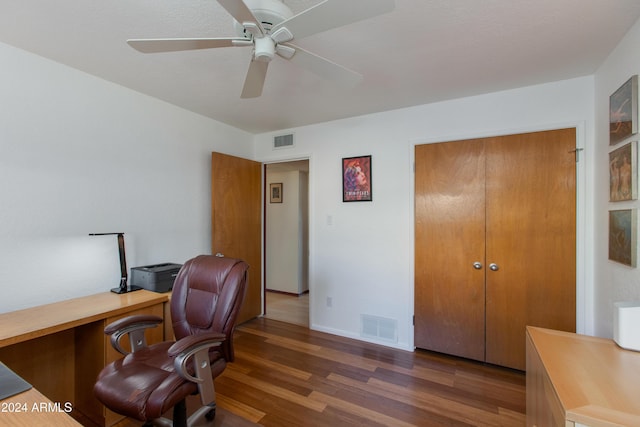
x=283 y=141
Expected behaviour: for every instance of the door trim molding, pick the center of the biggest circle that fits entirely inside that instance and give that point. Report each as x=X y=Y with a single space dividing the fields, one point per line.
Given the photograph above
x=311 y=216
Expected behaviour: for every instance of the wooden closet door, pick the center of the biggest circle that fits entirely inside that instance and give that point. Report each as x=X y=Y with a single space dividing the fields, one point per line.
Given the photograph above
x=449 y=238
x=531 y=237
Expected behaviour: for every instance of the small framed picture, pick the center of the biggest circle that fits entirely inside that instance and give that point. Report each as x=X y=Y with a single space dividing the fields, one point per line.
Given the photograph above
x=356 y=179
x=622 y=236
x=623 y=111
x=275 y=192
x=623 y=174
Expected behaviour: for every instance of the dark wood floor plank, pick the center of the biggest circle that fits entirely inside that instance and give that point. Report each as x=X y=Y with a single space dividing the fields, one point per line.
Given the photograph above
x=391 y=404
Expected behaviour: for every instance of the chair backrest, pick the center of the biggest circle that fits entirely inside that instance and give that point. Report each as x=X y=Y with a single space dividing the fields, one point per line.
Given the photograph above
x=207 y=295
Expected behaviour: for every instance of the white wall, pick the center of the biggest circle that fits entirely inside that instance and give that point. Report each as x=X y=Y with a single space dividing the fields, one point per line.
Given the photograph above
x=614 y=282
x=81 y=155
x=361 y=254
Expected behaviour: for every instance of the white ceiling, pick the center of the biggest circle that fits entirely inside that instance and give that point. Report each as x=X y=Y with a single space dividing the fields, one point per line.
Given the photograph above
x=424 y=51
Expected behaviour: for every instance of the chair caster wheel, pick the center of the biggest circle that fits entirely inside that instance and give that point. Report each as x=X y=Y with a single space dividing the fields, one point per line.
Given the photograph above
x=210 y=415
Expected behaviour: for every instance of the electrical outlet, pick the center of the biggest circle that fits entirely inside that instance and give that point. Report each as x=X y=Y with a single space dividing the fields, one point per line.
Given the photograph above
x=329 y=302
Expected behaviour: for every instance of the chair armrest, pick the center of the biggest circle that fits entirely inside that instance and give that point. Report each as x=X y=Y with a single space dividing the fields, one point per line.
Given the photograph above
x=211 y=339
x=197 y=346
x=135 y=327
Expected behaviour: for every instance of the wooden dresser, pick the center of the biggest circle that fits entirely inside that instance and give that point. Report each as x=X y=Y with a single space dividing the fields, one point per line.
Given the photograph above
x=578 y=380
x=61 y=347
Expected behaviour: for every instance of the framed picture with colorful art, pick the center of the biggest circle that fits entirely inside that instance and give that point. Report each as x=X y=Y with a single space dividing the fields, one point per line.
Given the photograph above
x=623 y=174
x=623 y=111
x=356 y=179
x=622 y=236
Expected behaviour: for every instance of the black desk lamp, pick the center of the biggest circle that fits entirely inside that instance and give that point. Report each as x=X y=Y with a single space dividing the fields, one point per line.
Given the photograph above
x=124 y=286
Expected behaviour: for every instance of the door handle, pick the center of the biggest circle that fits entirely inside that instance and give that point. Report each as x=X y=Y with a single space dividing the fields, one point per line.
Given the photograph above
x=494 y=267
x=477 y=265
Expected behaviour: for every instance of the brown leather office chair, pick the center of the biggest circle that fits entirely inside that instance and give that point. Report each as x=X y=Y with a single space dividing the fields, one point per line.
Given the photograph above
x=150 y=380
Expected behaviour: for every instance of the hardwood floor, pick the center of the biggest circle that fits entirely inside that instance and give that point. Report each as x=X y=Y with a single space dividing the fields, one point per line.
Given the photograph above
x=288 y=375
x=288 y=308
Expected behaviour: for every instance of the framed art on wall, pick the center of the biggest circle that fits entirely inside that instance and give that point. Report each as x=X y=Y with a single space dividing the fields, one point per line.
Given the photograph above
x=622 y=236
x=356 y=179
x=623 y=175
x=623 y=111
x=275 y=192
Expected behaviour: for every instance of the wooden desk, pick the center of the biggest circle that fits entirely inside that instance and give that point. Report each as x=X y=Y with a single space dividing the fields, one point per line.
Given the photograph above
x=60 y=348
x=577 y=380
x=32 y=408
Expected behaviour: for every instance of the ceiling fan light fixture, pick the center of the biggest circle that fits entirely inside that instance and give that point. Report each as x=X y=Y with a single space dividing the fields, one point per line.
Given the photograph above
x=282 y=35
x=286 y=52
x=265 y=49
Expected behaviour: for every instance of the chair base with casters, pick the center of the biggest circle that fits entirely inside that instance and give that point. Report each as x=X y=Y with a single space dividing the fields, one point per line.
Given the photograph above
x=152 y=379
x=204 y=416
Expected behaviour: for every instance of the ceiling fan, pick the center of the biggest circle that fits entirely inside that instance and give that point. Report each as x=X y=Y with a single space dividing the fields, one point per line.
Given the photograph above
x=269 y=26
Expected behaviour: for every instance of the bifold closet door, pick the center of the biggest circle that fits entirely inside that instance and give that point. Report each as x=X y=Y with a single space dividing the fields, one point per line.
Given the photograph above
x=495 y=243
x=531 y=239
x=449 y=239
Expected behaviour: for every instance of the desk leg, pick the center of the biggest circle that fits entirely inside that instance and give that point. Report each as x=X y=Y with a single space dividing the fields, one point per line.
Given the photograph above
x=90 y=359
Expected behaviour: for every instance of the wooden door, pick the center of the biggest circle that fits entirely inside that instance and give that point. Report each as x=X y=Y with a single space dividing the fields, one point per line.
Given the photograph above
x=449 y=239
x=236 y=198
x=531 y=237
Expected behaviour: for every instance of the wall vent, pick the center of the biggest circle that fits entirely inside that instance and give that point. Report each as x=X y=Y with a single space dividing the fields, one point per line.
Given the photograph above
x=283 y=141
x=379 y=328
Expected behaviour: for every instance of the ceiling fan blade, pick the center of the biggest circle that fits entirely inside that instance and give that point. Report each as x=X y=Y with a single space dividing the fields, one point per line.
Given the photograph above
x=324 y=67
x=173 y=45
x=241 y=13
x=333 y=14
x=254 y=81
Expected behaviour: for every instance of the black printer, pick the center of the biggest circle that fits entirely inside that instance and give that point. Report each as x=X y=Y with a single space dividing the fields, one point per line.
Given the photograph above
x=156 y=278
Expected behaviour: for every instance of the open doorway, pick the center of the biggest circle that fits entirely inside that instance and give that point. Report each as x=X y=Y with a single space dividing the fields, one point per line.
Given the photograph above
x=286 y=242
